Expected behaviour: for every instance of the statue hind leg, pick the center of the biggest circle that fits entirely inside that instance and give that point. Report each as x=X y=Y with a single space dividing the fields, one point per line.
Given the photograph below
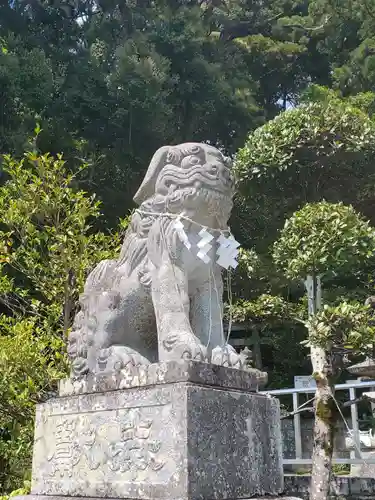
x=125 y=330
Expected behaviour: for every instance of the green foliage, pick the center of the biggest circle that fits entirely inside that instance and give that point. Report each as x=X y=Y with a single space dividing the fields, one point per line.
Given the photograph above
x=348 y=41
x=47 y=248
x=22 y=385
x=347 y=326
x=323 y=238
x=265 y=308
x=248 y=261
x=121 y=82
x=31 y=362
x=322 y=150
x=19 y=492
x=45 y=221
x=270 y=56
x=364 y=101
x=341 y=469
x=316 y=134
x=278 y=324
x=27 y=86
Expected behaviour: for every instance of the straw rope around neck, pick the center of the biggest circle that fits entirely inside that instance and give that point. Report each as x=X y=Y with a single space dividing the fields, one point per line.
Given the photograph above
x=182 y=216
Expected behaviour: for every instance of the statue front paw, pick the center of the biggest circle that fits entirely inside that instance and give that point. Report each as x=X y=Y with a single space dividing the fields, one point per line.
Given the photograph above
x=227 y=356
x=176 y=349
x=195 y=352
x=182 y=345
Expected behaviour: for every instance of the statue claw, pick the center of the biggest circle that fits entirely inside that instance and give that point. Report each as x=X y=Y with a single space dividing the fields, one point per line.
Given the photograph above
x=190 y=352
x=117 y=358
x=227 y=356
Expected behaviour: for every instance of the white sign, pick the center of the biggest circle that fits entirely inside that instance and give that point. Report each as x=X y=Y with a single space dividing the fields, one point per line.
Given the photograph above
x=304 y=382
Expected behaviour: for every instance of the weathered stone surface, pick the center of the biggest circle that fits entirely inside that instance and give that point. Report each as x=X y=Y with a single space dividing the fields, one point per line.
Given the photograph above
x=234 y=444
x=171 y=441
x=55 y=497
x=162 y=373
x=161 y=300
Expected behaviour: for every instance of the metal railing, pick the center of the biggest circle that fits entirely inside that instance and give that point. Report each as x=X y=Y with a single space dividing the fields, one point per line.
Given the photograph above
x=351 y=387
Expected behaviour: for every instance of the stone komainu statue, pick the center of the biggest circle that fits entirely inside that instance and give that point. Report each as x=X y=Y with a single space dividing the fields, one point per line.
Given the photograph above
x=158 y=301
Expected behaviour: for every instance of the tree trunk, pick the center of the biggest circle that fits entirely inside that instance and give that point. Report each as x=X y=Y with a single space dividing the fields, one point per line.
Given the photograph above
x=257 y=354
x=324 y=423
x=324 y=405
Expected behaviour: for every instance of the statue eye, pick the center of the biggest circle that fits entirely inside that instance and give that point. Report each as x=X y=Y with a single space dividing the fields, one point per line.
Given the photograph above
x=190 y=161
x=194 y=160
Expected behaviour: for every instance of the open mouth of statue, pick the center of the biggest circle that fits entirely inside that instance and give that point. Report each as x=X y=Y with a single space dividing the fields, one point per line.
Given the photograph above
x=214 y=202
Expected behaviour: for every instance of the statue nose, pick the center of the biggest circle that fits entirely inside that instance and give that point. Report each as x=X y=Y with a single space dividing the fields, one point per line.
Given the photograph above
x=219 y=168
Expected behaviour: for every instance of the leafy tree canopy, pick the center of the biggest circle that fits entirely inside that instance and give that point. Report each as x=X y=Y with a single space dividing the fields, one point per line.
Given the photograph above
x=321 y=150
x=323 y=239
x=347 y=326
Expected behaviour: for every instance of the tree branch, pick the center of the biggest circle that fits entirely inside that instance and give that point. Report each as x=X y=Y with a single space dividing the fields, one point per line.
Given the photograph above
x=273 y=18
x=304 y=28
x=241 y=29
x=357 y=400
x=301 y=410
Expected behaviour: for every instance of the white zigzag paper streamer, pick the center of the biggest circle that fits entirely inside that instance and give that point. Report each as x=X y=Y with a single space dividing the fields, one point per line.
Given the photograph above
x=204 y=245
x=180 y=229
x=227 y=252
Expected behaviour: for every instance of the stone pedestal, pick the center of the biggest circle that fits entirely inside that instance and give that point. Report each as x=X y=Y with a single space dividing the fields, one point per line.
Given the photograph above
x=175 y=431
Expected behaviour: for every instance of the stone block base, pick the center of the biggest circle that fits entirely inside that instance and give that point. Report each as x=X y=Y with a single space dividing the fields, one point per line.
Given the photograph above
x=171 y=441
x=55 y=497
